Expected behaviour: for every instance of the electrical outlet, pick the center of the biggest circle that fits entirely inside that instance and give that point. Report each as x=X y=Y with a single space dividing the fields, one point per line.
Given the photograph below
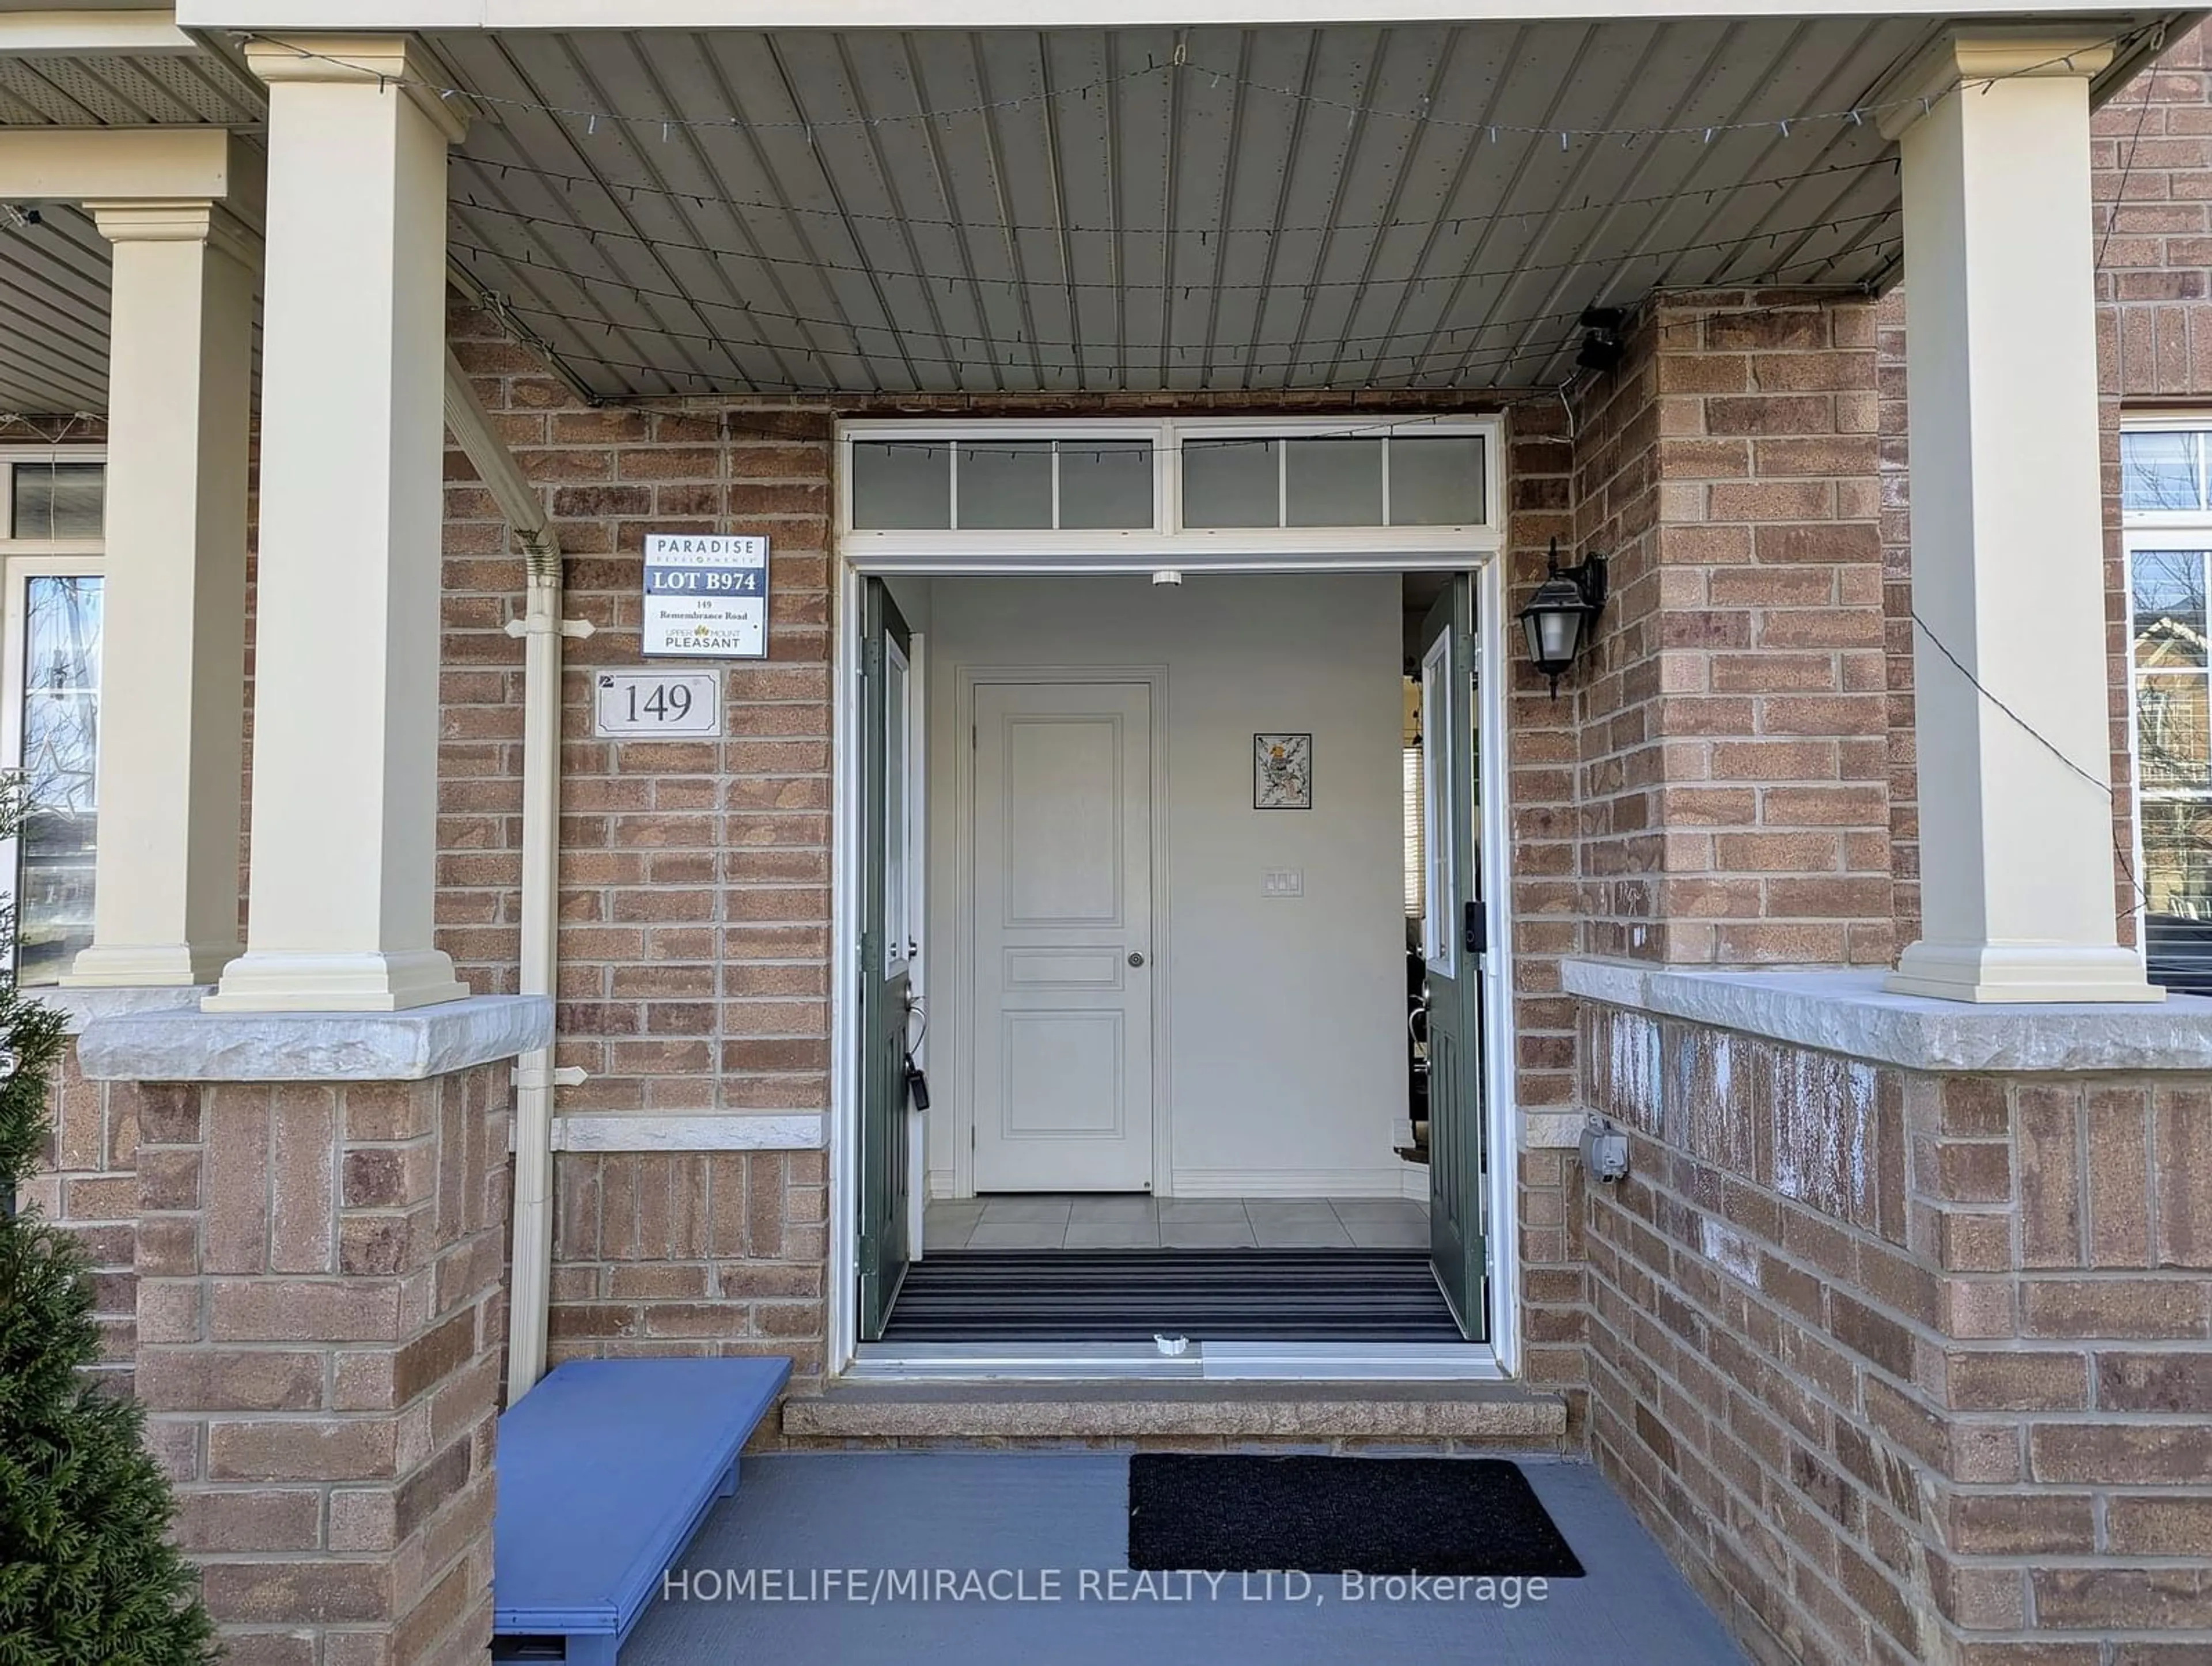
x=1282 y=882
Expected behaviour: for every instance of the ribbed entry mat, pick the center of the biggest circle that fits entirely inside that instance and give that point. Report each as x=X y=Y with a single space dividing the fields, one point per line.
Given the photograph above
x=1207 y=1295
x=1230 y=1513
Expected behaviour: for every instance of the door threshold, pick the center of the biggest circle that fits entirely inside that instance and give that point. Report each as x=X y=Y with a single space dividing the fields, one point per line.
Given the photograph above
x=1211 y=1362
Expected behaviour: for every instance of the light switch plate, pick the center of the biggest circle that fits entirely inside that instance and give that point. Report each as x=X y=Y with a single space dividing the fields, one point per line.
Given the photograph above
x=1282 y=882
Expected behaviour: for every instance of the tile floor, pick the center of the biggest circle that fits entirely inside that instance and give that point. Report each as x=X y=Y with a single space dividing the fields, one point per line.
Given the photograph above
x=1110 y=1220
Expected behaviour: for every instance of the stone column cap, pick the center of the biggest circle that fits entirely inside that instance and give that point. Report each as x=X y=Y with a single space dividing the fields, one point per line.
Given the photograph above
x=1847 y=1011
x=184 y=1044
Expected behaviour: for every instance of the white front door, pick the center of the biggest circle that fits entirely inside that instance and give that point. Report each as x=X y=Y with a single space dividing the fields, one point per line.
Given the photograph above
x=1062 y=1040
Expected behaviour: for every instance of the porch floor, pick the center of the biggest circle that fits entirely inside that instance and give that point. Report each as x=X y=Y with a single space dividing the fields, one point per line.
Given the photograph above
x=1137 y=1220
x=801 y=1515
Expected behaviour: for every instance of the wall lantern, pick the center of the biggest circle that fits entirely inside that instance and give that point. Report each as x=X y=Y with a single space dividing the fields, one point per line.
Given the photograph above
x=1602 y=348
x=1559 y=616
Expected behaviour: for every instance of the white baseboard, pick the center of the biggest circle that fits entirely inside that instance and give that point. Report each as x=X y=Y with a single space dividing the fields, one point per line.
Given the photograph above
x=1413 y=1181
x=940 y=1182
x=1292 y=1182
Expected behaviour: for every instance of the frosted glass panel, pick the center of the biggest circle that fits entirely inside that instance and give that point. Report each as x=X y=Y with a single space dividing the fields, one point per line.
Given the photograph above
x=1105 y=484
x=1231 y=482
x=902 y=486
x=1435 y=480
x=1006 y=483
x=59 y=499
x=1333 y=483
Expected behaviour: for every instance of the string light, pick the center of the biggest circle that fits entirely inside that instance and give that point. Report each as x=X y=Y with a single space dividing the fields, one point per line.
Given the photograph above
x=1124 y=285
x=1492 y=359
x=630 y=191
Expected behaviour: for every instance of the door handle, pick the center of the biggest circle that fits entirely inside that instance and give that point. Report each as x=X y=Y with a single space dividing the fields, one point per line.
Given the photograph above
x=1136 y=956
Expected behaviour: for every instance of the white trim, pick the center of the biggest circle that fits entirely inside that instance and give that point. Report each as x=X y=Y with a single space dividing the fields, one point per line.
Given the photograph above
x=845 y=885
x=73 y=32
x=1350 y=1362
x=1502 y=1130
x=1326 y=549
x=917 y=902
x=1167 y=542
x=706 y=1130
x=872 y=15
x=1208 y=1362
x=960 y=1034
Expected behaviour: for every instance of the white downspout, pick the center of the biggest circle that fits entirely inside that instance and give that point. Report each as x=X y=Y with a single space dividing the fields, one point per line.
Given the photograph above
x=541 y=629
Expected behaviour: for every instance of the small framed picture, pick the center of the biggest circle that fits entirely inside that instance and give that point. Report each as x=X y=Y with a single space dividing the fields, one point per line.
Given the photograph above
x=1282 y=772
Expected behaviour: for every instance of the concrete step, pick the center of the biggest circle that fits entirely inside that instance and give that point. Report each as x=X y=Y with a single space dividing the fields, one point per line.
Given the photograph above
x=1493 y=1414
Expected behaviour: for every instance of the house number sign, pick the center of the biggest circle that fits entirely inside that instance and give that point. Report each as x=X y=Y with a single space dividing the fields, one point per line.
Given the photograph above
x=656 y=705
x=706 y=597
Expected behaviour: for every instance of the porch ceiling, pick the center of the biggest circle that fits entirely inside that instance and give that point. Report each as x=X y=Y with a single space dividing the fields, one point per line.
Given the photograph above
x=998 y=211
x=1213 y=209
x=54 y=273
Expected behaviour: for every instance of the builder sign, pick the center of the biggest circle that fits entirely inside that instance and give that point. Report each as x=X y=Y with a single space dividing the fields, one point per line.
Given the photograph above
x=706 y=596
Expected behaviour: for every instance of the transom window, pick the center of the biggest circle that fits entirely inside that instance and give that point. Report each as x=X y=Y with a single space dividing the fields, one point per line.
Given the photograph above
x=1407 y=483
x=50 y=594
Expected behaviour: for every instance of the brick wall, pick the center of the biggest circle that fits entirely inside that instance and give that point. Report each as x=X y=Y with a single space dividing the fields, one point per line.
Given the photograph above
x=1732 y=781
x=694 y=905
x=321 y=1320
x=90 y=1185
x=691 y=1252
x=1904 y=1367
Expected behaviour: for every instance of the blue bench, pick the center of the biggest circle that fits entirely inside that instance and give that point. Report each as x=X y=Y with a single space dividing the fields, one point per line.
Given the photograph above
x=606 y=1470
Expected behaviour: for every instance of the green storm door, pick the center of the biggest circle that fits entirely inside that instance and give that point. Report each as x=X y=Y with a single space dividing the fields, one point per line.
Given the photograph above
x=1454 y=938
x=889 y=894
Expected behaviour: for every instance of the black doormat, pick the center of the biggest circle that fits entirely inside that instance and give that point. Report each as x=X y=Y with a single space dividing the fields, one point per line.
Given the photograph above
x=1233 y=1513
x=1207 y=1295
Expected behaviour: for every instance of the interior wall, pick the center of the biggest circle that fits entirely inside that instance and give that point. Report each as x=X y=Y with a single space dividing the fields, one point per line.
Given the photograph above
x=1285 y=1036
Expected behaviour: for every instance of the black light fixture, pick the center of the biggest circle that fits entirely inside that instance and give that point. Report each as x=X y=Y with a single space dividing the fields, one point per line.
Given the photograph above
x=1602 y=348
x=1558 y=616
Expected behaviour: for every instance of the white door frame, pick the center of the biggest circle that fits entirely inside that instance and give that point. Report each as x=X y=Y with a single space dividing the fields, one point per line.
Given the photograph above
x=1479 y=550
x=962 y=1075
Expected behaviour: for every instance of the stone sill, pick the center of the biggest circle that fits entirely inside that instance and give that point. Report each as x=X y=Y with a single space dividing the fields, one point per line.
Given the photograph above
x=1848 y=1011
x=79 y=1005
x=178 y=1043
x=692 y=1131
x=1127 y=1410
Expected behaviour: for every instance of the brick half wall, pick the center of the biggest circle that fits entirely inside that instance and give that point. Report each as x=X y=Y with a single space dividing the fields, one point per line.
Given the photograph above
x=320 y=1324
x=1904 y=1367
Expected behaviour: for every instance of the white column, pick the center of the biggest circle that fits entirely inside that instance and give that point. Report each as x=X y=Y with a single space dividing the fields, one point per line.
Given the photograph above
x=346 y=633
x=180 y=357
x=2016 y=851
